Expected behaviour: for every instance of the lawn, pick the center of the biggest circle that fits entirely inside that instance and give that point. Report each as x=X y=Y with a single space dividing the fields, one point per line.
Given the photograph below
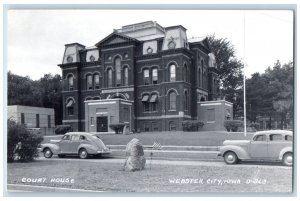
x=107 y=176
x=205 y=138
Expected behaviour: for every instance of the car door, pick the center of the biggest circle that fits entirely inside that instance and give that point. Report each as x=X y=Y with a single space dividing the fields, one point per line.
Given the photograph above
x=75 y=142
x=259 y=147
x=64 y=144
x=275 y=144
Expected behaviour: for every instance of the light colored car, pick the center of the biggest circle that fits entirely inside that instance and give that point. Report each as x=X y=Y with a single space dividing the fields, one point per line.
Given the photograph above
x=75 y=143
x=272 y=145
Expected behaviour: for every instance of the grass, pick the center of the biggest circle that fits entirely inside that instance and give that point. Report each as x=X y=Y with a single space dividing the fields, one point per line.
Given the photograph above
x=110 y=177
x=212 y=138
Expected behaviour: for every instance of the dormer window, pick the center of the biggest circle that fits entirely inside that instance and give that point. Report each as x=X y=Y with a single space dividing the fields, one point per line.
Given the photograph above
x=172 y=45
x=149 y=50
x=92 y=58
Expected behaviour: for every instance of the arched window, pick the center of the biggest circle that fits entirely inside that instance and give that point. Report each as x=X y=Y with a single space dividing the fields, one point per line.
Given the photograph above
x=145 y=101
x=185 y=73
x=88 y=98
x=172 y=100
x=125 y=76
x=96 y=81
x=202 y=69
x=89 y=82
x=70 y=107
x=118 y=71
x=172 y=73
x=154 y=102
x=96 y=98
x=146 y=76
x=154 y=76
x=109 y=77
x=186 y=100
x=70 y=82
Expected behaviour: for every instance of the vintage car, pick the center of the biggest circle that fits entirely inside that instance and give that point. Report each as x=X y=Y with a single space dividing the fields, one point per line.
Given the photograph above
x=75 y=143
x=272 y=145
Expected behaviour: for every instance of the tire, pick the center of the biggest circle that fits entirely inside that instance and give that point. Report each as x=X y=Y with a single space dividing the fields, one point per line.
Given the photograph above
x=83 y=154
x=61 y=156
x=230 y=158
x=48 y=153
x=287 y=159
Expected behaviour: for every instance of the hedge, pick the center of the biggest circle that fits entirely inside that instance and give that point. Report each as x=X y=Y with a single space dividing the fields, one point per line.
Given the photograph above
x=233 y=125
x=62 y=129
x=118 y=128
x=192 y=125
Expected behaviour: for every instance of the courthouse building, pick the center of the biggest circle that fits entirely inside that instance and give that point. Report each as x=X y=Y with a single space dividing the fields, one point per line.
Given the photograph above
x=146 y=75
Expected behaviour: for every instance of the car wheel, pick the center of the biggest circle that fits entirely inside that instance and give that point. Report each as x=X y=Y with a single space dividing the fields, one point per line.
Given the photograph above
x=83 y=153
x=48 y=153
x=287 y=159
x=230 y=158
x=61 y=156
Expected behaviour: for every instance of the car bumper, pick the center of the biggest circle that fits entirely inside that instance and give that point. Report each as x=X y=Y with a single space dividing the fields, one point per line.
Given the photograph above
x=104 y=152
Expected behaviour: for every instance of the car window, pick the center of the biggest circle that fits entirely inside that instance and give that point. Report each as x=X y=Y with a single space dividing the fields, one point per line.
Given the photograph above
x=66 y=137
x=275 y=137
x=82 y=137
x=75 y=137
x=288 y=138
x=260 y=138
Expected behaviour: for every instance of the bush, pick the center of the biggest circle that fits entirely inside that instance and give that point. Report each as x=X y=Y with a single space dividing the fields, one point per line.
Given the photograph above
x=21 y=144
x=62 y=129
x=233 y=125
x=118 y=128
x=254 y=126
x=192 y=125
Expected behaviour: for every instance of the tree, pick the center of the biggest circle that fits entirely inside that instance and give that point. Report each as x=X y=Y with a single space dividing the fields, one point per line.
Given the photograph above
x=45 y=92
x=231 y=76
x=271 y=94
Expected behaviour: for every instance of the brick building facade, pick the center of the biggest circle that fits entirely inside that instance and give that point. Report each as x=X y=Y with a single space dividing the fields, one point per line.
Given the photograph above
x=157 y=69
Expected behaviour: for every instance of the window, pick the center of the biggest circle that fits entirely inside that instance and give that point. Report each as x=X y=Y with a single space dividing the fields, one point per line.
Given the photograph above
x=146 y=127
x=126 y=76
x=275 y=137
x=89 y=82
x=260 y=138
x=145 y=101
x=66 y=137
x=153 y=102
x=97 y=81
x=92 y=121
x=172 y=100
x=172 y=126
x=75 y=137
x=109 y=78
x=199 y=78
x=37 y=116
x=70 y=107
x=49 y=121
x=154 y=76
x=82 y=137
x=146 y=77
x=172 y=73
x=118 y=71
x=202 y=76
x=22 y=118
x=71 y=82
x=154 y=126
x=96 y=98
x=185 y=73
x=186 y=101
x=288 y=138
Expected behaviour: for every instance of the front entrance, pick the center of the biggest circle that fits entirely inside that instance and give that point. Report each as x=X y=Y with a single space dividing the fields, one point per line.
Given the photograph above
x=102 y=124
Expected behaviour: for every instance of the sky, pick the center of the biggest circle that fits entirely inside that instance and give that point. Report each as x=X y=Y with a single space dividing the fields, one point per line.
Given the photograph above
x=36 y=38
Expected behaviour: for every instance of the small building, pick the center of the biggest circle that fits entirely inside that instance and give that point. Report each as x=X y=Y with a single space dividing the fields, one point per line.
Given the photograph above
x=33 y=117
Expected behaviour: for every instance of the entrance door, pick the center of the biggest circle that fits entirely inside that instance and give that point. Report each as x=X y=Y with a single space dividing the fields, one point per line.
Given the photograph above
x=102 y=124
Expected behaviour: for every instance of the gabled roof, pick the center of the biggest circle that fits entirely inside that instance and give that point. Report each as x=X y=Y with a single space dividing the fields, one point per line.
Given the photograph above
x=203 y=42
x=114 y=38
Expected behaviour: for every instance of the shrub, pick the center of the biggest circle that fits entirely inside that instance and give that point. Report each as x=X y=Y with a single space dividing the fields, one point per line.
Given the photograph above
x=233 y=125
x=21 y=143
x=62 y=129
x=118 y=128
x=192 y=125
x=254 y=126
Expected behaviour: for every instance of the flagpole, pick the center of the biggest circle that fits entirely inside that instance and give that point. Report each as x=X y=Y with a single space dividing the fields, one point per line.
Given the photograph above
x=244 y=79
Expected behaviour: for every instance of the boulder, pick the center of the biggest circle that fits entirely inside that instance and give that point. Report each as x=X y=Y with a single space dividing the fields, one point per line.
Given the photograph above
x=135 y=156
